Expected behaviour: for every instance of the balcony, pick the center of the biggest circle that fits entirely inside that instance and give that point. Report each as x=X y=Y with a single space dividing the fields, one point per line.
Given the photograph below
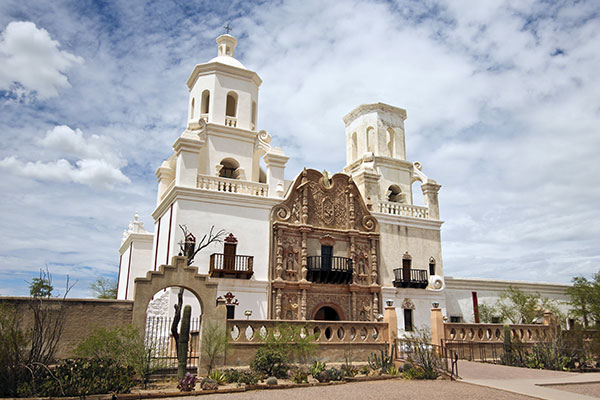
x=403 y=210
x=413 y=278
x=329 y=269
x=226 y=185
x=222 y=266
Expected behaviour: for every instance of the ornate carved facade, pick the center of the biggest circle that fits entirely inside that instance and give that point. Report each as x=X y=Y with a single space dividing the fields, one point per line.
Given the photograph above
x=324 y=252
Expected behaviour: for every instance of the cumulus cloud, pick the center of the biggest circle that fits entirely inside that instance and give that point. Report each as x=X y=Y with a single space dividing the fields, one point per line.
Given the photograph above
x=31 y=61
x=95 y=165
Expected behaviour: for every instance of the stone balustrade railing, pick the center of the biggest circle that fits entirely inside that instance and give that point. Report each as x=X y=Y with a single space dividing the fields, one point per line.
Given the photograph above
x=226 y=185
x=230 y=121
x=332 y=332
x=404 y=210
x=524 y=333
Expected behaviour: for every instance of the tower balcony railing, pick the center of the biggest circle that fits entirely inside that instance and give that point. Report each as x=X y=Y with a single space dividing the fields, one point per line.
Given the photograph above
x=404 y=210
x=413 y=278
x=231 y=266
x=332 y=269
x=218 y=184
x=230 y=121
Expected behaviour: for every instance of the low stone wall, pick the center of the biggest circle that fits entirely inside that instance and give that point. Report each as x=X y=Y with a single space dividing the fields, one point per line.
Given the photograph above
x=82 y=317
x=335 y=339
x=524 y=333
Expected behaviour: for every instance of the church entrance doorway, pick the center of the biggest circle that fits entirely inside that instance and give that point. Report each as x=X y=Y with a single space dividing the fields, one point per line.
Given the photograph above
x=326 y=314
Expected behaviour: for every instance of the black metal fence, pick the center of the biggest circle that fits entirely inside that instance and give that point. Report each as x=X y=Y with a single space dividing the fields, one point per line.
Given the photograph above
x=162 y=344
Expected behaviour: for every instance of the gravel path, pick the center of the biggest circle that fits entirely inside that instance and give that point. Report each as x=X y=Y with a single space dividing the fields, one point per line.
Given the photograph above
x=392 y=389
x=588 y=389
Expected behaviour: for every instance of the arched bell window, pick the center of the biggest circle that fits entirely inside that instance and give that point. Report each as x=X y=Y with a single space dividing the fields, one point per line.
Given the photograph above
x=231 y=106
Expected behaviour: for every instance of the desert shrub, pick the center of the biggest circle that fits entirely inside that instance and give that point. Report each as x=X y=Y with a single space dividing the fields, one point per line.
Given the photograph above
x=424 y=354
x=81 y=377
x=298 y=374
x=407 y=366
x=124 y=346
x=217 y=376
x=231 y=375
x=393 y=370
x=209 y=384
x=323 y=376
x=187 y=383
x=335 y=374
x=316 y=368
x=270 y=361
x=413 y=373
x=349 y=370
x=248 y=378
x=215 y=343
x=12 y=352
x=365 y=369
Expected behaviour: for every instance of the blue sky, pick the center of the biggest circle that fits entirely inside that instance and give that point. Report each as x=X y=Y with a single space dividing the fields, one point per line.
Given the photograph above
x=503 y=102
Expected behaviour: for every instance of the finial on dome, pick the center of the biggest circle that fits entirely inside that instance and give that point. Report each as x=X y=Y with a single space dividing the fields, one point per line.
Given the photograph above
x=227 y=28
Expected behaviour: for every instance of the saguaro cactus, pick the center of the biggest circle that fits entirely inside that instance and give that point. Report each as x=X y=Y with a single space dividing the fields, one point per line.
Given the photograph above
x=507 y=345
x=184 y=337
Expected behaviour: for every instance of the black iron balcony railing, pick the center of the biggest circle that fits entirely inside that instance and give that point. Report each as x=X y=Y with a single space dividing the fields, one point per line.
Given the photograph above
x=413 y=278
x=222 y=266
x=329 y=269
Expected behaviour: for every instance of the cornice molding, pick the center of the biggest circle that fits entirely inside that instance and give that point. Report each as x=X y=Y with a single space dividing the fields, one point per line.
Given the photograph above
x=138 y=237
x=229 y=70
x=408 y=221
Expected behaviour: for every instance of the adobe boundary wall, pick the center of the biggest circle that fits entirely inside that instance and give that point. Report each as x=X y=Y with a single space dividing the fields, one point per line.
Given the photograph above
x=82 y=317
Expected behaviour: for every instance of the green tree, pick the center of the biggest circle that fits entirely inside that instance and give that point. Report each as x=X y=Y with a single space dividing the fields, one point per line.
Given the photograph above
x=488 y=312
x=584 y=298
x=104 y=288
x=42 y=286
x=215 y=343
x=519 y=307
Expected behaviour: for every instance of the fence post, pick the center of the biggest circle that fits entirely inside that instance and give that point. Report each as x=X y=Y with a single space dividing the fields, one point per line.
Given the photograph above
x=391 y=320
x=437 y=325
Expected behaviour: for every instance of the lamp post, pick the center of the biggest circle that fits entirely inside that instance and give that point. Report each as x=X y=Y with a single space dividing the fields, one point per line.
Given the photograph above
x=248 y=313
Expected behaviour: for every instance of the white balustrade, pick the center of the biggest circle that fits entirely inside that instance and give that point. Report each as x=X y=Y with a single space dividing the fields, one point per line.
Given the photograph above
x=404 y=210
x=230 y=121
x=226 y=185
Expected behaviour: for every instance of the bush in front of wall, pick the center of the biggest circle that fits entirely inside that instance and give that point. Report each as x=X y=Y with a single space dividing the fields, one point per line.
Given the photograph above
x=81 y=377
x=271 y=381
x=270 y=361
x=298 y=374
x=316 y=368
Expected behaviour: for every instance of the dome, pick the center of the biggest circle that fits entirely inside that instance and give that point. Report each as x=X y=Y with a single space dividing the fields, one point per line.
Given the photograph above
x=228 y=60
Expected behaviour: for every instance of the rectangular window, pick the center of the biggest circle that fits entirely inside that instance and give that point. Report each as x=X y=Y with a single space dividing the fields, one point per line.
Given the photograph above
x=431 y=268
x=455 y=318
x=408 y=320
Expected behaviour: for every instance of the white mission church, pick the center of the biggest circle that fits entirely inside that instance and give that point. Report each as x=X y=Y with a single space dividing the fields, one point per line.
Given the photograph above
x=317 y=247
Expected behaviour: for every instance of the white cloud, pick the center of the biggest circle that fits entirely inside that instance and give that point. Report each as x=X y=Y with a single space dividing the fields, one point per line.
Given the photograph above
x=31 y=58
x=96 y=166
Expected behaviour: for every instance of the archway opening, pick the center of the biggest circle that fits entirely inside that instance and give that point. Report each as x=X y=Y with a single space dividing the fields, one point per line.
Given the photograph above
x=161 y=320
x=229 y=168
x=327 y=313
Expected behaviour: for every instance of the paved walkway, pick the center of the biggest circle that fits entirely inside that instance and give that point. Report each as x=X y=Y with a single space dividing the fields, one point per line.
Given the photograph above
x=531 y=382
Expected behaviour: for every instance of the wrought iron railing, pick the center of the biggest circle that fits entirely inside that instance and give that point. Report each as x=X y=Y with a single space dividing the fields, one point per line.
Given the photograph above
x=413 y=278
x=332 y=269
x=440 y=358
x=222 y=265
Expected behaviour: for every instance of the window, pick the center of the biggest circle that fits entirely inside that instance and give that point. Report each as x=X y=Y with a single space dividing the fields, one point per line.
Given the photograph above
x=431 y=266
x=231 y=106
x=455 y=318
x=354 y=146
x=390 y=141
x=205 y=102
x=406 y=265
x=408 y=320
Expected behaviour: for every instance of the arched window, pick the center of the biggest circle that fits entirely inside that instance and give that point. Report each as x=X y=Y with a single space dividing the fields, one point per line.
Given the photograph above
x=205 y=102
x=354 y=146
x=231 y=106
x=431 y=266
x=229 y=168
x=371 y=139
x=395 y=194
x=417 y=194
x=390 y=141
x=253 y=114
x=262 y=176
x=192 y=109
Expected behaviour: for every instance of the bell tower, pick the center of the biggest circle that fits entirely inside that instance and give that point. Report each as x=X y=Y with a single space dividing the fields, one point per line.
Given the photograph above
x=223 y=91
